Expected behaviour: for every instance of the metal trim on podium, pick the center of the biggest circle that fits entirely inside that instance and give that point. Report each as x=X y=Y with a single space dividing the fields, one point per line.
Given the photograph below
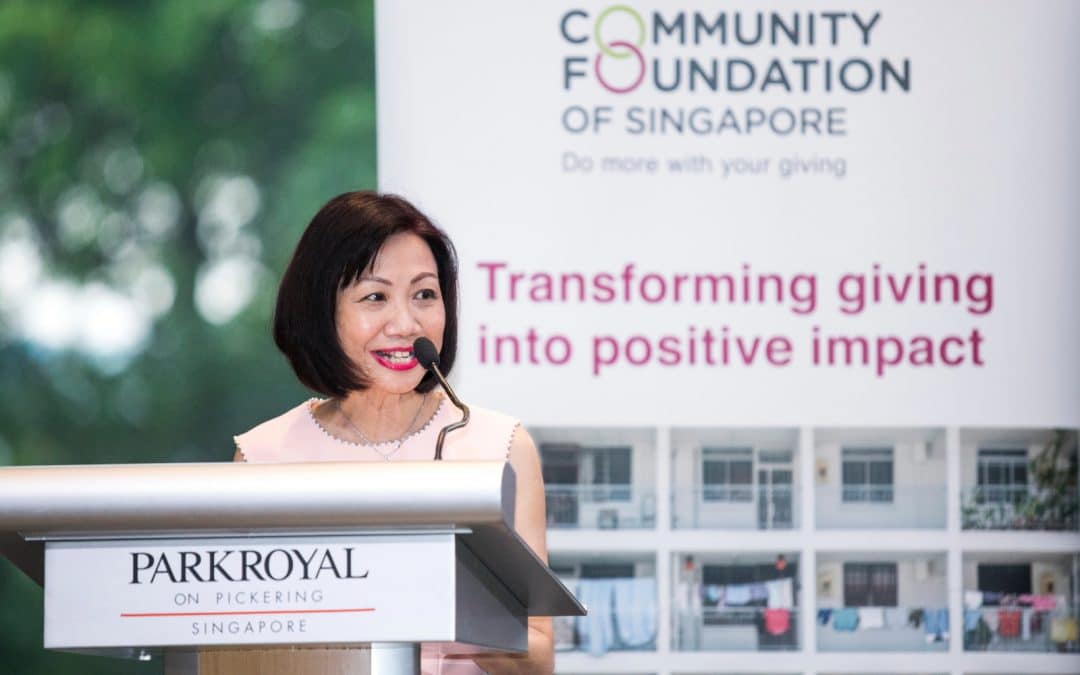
x=198 y=564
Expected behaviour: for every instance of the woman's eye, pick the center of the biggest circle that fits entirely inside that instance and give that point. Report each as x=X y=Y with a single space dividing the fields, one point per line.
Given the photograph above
x=374 y=297
x=428 y=294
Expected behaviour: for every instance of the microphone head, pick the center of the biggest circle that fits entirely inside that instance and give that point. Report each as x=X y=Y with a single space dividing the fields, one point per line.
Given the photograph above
x=425 y=352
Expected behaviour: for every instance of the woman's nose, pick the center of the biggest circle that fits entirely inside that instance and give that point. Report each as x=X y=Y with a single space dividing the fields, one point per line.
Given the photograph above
x=403 y=321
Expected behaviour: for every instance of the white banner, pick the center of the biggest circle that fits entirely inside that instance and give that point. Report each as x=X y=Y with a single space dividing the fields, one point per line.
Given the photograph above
x=728 y=213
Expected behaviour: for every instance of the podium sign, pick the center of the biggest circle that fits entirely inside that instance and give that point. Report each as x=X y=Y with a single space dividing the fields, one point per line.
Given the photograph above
x=250 y=591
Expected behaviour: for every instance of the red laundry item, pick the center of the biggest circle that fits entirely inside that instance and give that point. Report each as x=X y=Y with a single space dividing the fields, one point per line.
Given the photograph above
x=777 y=621
x=1009 y=623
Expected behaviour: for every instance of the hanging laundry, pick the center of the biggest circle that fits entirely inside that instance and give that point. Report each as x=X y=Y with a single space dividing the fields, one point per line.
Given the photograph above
x=635 y=612
x=758 y=592
x=992 y=598
x=978 y=637
x=597 y=630
x=1025 y=623
x=1064 y=629
x=845 y=619
x=991 y=619
x=736 y=595
x=1044 y=603
x=777 y=621
x=688 y=596
x=781 y=593
x=714 y=595
x=896 y=617
x=823 y=616
x=1037 y=621
x=915 y=618
x=937 y=624
x=1008 y=623
x=971 y=619
x=563 y=633
x=973 y=599
x=871 y=617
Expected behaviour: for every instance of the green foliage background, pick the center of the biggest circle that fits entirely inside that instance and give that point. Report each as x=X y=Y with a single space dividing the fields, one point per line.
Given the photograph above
x=175 y=93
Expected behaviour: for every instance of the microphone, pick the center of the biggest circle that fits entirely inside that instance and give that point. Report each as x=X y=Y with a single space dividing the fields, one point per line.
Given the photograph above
x=425 y=352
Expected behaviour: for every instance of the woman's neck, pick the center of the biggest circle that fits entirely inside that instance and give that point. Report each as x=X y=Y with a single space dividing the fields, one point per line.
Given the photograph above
x=383 y=416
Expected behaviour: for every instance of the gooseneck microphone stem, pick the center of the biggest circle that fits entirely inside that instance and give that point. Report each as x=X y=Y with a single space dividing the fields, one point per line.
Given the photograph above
x=428 y=356
x=457 y=402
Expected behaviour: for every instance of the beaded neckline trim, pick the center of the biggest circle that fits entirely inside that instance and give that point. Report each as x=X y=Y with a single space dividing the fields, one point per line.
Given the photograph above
x=310 y=405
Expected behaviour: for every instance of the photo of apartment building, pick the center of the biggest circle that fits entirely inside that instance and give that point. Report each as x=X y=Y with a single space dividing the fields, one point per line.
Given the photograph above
x=815 y=550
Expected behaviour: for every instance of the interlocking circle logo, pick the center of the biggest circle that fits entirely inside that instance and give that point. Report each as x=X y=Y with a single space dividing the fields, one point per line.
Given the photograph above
x=619 y=49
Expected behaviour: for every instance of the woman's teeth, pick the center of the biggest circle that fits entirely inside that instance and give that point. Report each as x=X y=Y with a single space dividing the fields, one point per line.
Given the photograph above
x=396 y=357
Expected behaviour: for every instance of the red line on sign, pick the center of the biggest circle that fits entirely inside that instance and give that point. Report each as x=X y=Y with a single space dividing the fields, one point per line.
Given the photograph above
x=143 y=615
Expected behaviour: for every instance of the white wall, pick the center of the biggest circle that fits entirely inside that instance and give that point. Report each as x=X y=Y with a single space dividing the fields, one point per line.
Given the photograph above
x=687 y=483
x=912 y=592
x=918 y=478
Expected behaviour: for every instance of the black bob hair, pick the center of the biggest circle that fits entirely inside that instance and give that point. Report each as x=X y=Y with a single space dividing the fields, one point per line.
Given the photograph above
x=335 y=249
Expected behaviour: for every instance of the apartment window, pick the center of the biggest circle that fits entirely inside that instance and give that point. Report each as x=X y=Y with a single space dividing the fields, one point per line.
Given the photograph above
x=1005 y=578
x=870 y=584
x=727 y=474
x=1002 y=475
x=610 y=473
x=607 y=570
x=867 y=474
x=605 y=470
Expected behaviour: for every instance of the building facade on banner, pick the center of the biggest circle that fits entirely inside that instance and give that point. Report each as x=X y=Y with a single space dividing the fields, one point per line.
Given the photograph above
x=815 y=550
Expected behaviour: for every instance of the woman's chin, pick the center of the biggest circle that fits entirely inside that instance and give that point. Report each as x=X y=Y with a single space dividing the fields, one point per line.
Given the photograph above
x=398 y=384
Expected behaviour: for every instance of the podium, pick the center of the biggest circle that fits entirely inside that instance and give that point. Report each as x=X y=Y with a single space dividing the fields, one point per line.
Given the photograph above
x=235 y=567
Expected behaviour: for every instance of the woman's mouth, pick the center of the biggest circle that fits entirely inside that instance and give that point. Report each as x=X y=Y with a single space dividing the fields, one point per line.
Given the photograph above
x=395 y=359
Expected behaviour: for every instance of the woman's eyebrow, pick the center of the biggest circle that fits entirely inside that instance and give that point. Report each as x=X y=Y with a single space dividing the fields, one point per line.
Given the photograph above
x=368 y=277
x=418 y=277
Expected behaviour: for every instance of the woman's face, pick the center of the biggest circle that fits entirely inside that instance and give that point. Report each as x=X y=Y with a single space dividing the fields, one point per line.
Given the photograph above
x=395 y=301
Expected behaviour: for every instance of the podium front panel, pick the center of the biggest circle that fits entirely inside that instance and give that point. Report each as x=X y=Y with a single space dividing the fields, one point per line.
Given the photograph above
x=250 y=591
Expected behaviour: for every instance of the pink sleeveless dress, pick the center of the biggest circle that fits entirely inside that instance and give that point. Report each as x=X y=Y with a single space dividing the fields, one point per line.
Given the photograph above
x=297 y=436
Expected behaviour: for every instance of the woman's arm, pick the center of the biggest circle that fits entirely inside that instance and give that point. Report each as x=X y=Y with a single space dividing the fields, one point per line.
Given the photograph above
x=530 y=521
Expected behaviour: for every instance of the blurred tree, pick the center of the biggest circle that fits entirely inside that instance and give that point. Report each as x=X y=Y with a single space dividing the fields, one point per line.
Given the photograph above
x=158 y=163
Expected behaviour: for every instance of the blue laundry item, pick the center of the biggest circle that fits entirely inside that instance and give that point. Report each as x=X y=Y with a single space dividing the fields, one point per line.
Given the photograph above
x=759 y=592
x=714 y=594
x=635 y=612
x=597 y=630
x=845 y=620
x=971 y=618
x=737 y=594
x=823 y=616
x=936 y=622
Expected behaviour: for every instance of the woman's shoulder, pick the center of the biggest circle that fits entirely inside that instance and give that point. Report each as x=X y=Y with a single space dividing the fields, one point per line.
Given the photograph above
x=488 y=435
x=267 y=440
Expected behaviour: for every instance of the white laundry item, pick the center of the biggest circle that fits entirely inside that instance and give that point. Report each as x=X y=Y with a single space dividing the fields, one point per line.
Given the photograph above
x=737 y=595
x=871 y=617
x=781 y=593
x=896 y=617
x=635 y=612
x=597 y=629
x=973 y=599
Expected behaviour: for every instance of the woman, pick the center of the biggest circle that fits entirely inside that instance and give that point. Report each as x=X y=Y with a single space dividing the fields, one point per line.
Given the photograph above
x=370 y=275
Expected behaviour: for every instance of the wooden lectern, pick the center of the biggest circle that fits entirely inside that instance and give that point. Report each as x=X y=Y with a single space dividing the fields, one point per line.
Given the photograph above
x=230 y=568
